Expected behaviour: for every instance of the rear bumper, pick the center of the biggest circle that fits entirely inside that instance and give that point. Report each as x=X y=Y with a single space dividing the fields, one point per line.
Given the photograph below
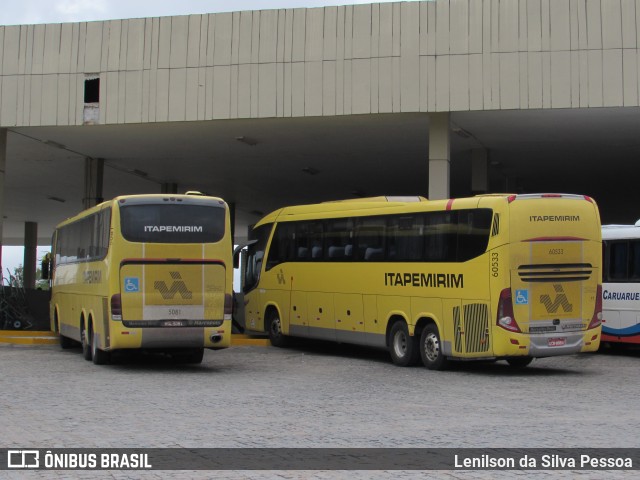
x=170 y=337
x=509 y=344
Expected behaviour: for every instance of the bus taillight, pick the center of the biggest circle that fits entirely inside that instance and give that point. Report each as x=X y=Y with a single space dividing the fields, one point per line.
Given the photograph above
x=596 y=320
x=228 y=307
x=116 y=307
x=506 y=318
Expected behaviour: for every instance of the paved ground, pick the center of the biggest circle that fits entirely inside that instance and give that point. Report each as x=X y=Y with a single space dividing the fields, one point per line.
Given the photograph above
x=313 y=395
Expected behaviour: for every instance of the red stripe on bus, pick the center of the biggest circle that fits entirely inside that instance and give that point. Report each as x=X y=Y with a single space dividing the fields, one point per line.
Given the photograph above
x=555 y=239
x=450 y=204
x=171 y=261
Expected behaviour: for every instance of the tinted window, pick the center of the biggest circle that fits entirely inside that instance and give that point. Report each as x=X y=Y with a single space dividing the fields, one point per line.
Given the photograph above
x=173 y=223
x=622 y=261
x=84 y=240
x=618 y=261
x=452 y=236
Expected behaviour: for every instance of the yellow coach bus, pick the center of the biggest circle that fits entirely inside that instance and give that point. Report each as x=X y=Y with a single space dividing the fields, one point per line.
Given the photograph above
x=144 y=272
x=510 y=277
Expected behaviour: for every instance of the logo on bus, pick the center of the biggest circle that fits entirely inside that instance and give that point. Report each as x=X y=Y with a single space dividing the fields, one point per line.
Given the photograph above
x=561 y=300
x=280 y=276
x=131 y=284
x=178 y=286
x=522 y=297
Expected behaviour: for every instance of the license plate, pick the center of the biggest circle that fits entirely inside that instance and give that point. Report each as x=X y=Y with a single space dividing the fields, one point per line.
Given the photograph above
x=556 y=342
x=173 y=323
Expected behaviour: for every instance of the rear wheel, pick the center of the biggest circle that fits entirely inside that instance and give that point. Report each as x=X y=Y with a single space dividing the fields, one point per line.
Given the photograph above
x=192 y=356
x=431 y=349
x=275 y=330
x=99 y=357
x=86 y=342
x=519 y=362
x=402 y=346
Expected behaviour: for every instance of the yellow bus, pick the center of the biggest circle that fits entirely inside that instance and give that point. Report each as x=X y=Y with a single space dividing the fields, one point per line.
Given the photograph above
x=510 y=277
x=150 y=272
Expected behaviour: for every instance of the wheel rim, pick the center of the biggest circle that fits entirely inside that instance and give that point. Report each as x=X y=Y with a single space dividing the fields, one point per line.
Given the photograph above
x=432 y=347
x=275 y=327
x=400 y=344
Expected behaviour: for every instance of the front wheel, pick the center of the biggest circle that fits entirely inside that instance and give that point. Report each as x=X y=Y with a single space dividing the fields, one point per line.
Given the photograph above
x=277 y=338
x=431 y=349
x=402 y=346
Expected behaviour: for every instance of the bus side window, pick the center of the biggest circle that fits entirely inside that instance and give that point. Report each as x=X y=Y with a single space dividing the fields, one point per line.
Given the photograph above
x=282 y=245
x=618 y=260
x=370 y=238
x=634 y=265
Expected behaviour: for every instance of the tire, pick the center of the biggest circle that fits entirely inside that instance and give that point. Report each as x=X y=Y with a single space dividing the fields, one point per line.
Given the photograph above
x=99 y=357
x=431 y=349
x=274 y=326
x=519 y=362
x=191 y=357
x=86 y=345
x=402 y=347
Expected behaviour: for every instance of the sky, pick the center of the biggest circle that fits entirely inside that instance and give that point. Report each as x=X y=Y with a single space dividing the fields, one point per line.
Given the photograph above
x=60 y=11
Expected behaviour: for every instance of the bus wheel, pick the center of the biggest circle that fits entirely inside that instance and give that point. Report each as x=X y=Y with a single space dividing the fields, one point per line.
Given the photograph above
x=402 y=346
x=192 y=356
x=431 y=349
x=519 y=362
x=275 y=330
x=86 y=345
x=100 y=357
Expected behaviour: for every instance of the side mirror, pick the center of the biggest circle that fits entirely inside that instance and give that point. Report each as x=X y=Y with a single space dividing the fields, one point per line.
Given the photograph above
x=238 y=249
x=46 y=267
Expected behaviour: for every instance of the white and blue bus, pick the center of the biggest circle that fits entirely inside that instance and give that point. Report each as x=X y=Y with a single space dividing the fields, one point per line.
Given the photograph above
x=621 y=284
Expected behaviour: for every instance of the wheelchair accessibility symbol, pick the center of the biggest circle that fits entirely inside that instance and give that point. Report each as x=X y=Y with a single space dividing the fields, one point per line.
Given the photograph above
x=131 y=284
x=522 y=297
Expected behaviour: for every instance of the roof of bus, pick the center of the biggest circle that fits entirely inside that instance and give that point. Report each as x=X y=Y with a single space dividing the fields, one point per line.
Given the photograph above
x=383 y=204
x=154 y=196
x=611 y=232
x=389 y=204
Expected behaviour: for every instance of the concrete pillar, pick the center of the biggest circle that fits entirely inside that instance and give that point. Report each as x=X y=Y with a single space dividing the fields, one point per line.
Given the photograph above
x=479 y=170
x=30 y=253
x=439 y=155
x=169 y=188
x=93 y=179
x=3 y=157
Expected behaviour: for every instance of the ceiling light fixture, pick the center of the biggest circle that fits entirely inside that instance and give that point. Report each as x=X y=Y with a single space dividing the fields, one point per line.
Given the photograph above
x=252 y=142
x=51 y=143
x=461 y=132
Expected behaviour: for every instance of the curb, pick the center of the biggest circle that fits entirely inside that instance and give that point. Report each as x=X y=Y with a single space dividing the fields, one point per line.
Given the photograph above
x=27 y=337
x=239 y=340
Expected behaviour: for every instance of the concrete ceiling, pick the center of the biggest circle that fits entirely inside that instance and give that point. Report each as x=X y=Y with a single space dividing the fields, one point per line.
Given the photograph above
x=301 y=160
